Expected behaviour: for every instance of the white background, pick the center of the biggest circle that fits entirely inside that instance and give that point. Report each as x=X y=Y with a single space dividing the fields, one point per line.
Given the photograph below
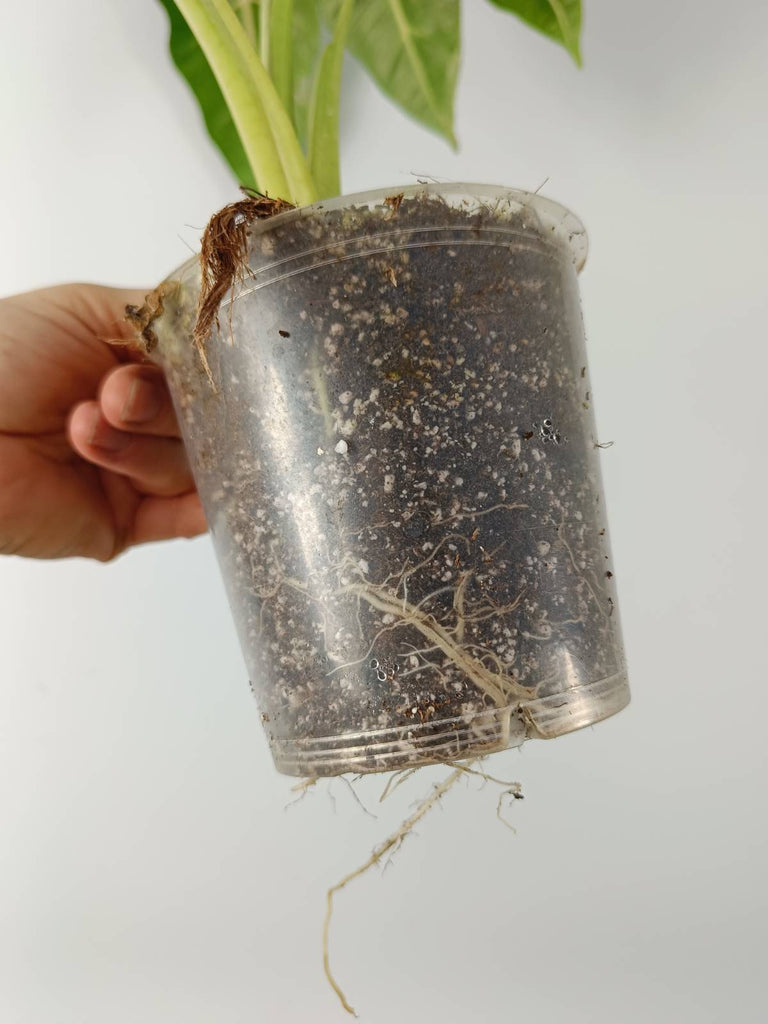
x=148 y=869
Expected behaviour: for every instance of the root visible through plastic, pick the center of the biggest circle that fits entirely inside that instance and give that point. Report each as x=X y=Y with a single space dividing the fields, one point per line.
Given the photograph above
x=498 y=686
x=496 y=683
x=396 y=839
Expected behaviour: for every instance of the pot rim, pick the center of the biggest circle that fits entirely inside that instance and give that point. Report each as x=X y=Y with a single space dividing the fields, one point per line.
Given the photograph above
x=555 y=222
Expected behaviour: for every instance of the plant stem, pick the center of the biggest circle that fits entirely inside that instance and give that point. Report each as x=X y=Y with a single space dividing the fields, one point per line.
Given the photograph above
x=301 y=187
x=281 y=51
x=324 y=109
x=249 y=23
x=239 y=90
x=264 y=18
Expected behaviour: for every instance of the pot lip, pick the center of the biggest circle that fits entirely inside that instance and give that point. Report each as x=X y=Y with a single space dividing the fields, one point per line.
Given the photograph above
x=553 y=221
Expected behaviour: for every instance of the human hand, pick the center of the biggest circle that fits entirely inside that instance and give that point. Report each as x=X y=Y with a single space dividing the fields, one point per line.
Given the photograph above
x=91 y=460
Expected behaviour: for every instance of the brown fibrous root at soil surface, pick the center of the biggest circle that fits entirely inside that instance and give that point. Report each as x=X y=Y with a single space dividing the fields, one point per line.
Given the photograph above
x=223 y=261
x=224 y=256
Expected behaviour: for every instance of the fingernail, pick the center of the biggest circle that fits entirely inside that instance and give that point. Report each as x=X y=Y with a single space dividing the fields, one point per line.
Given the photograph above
x=104 y=436
x=142 y=403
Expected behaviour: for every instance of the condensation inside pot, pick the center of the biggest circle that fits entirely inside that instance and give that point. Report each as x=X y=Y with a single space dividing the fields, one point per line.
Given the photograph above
x=399 y=467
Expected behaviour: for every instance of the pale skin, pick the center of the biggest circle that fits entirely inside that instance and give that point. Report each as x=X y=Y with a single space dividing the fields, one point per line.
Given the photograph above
x=91 y=461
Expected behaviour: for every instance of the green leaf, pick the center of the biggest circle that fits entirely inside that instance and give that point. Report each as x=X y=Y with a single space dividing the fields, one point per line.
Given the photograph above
x=324 y=109
x=558 y=19
x=191 y=62
x=306 y=54
x=411 y=48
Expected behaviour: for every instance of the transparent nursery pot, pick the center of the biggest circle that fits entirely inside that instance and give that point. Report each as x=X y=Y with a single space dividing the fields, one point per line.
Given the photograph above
x=398 y=462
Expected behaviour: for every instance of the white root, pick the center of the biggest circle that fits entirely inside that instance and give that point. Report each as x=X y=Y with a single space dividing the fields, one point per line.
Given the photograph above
x=496 y=686
x=394 y=840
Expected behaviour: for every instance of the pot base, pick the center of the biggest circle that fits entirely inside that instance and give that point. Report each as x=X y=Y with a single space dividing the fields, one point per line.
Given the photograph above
x=468 y=736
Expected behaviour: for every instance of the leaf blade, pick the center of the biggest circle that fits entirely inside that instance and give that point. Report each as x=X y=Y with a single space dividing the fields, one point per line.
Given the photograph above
x=411 y=49
x=558 y=19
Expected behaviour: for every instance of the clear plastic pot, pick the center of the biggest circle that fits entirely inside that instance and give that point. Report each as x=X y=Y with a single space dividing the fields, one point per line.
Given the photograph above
x=399 y=467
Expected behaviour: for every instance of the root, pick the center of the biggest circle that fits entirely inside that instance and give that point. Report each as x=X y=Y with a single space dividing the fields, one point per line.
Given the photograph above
x=393 y=202
x=409 y=570
x=223 y=261
x=224 y=258
x=356 y=798
x=496 y=610
x=302 y=788
x=497 y=687
x=424 y=663
x=513 y=791
x=393 y=841
x=397 y=779
x=579 y=573
x=304 y=785
x=488 y=778
x=472 y=515
x=458 y=605
x=141 y=318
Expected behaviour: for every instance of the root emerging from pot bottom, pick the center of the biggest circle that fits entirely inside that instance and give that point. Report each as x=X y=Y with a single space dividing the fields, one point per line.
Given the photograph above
x=393 y=841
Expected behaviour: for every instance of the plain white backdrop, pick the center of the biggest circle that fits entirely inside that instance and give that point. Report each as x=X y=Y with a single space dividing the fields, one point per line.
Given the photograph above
x=149 y=870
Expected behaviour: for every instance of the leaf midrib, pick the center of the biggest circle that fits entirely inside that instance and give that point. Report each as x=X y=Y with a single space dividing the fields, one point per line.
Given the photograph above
x=413 y=55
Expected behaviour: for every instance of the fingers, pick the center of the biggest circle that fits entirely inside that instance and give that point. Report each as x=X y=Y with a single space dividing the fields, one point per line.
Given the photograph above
x=155 y=465
x=167 y=518
x=135 y=399
x=139 y=520
x=131 y=432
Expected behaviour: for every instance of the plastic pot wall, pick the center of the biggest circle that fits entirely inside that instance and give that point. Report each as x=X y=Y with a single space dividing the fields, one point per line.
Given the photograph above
x=399 y=467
